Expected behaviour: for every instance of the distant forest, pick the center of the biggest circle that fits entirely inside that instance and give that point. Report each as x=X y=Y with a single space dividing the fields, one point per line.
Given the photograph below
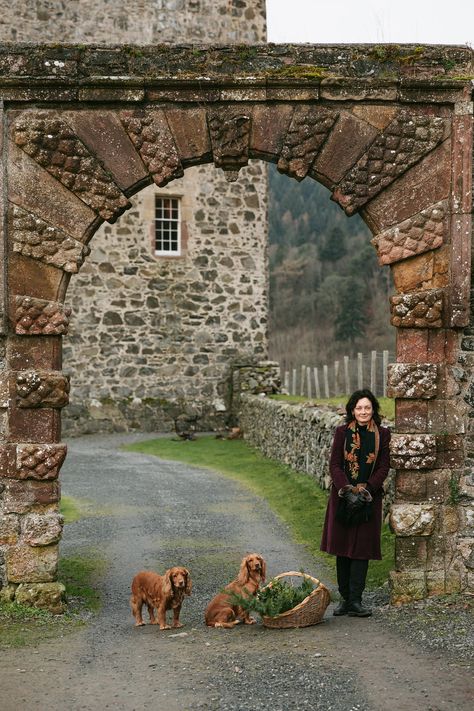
x=329 y=296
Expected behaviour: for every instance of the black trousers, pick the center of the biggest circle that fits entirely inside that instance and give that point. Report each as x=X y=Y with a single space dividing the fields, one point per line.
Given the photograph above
x=351 y=575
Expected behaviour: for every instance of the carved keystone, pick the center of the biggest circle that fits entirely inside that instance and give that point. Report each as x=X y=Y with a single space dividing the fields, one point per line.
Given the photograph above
x=39 y=317
x=412 y=380
x=39 y=461
x=420 y=309
x=35 y=389
x=416 y=235
x=413 y=451
x=229 y=130
x=54 y=145
x=150 y=134
x=36 y=238
x=412 y=519
x=402 y=144
x=309 y=129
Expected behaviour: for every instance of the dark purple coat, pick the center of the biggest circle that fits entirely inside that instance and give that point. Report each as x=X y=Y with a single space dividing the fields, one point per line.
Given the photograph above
x=362 y=541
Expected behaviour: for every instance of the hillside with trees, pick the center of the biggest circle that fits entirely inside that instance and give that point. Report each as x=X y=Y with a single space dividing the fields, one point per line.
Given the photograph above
x=329 y=296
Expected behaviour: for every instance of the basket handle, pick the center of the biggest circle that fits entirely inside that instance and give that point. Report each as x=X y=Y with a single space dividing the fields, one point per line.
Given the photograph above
x=292 y=573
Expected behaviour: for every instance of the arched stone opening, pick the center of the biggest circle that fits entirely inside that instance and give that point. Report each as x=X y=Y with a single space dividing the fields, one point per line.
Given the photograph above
x=402 y=160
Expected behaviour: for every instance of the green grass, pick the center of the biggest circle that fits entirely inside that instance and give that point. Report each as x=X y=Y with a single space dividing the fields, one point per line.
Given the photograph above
x=24 y=626
x=387 y=405
x=80 y=575
x=70 y=509
x=295 y=497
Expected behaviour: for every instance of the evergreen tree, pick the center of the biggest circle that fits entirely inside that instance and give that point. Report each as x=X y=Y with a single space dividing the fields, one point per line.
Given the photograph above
x=352 y=317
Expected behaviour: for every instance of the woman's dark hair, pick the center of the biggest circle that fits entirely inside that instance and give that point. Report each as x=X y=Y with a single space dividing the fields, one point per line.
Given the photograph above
x=354 y=399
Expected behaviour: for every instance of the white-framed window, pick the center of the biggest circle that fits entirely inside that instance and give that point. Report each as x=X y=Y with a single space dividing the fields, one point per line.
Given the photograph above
x=167 y=226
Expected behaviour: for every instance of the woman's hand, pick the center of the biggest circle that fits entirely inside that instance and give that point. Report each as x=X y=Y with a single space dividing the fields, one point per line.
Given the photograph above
x=359 y=487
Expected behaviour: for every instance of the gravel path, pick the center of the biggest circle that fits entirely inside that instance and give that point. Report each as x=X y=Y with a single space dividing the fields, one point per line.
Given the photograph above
x=154 y=514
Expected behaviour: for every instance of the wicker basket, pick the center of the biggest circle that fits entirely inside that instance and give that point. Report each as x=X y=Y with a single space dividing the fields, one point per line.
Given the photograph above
x=309 y=612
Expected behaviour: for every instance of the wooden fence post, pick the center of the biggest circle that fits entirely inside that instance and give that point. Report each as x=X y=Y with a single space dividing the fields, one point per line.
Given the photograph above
x=326 y=381
x=293 y=383
x=347 y=381
x=316 y=383
x=336 y=378
x=287 y=381
x=360 y=372
x=303 y=376
x=373 y=371
x=308 y=382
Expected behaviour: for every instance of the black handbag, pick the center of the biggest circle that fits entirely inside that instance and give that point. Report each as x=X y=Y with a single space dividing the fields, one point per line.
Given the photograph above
x=354 y=509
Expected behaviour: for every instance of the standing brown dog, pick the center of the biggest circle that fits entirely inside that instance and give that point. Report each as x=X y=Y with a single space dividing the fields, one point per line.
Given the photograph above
x=163 y=592
x=221 y=612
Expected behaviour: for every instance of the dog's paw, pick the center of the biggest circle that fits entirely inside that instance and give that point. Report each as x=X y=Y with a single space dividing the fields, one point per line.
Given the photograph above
x=165 y=627
x=177 y=624
x=250 y=621
x=139 y=624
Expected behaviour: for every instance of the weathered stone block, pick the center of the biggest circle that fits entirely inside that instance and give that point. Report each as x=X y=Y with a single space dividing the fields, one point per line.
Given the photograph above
x=22 y=496
x=407 y=586
x=269 y=128
x=42 y=529
x=7 y=460
x=36 y=238
x=412 y=345
x=422 y=272
x=413 y=451
x=104 y=135
x=36 y=389
x=425 y=184
x=420 y=233
x=39 y=317
x=348 y=140
x=190 y=132
x=410 y=553
x=411 y=415
x=34 y=353
x=412 y=380
x=404 y=142
x=46 y=596
x=9 y=529
x=229 y=129
x=412 y=519
x=436 y=582
x=151 y=136
x=48 y=139
x=309 y=128
x=466 y=519
x=422 y=309
x=35 y=425
x=27 y=564
x=39 y=461
x=35 y=190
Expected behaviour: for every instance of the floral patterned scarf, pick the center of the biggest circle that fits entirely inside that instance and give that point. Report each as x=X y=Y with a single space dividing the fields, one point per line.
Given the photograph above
x=360 y=451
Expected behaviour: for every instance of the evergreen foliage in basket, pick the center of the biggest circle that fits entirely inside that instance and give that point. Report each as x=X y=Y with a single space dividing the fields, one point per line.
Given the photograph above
x=282 y=605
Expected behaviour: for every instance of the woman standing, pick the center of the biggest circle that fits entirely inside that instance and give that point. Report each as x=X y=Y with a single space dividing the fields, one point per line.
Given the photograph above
x=360 y=461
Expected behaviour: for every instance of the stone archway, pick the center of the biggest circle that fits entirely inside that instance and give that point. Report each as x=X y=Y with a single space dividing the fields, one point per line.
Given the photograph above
x=390 y=135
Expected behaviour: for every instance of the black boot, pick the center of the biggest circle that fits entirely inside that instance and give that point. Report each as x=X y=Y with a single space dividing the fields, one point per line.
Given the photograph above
x=342 y=608
x=355 y=609
x=358 y=574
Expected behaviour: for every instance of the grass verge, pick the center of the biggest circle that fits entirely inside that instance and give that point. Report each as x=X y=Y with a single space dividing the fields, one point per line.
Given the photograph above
x=295 y=497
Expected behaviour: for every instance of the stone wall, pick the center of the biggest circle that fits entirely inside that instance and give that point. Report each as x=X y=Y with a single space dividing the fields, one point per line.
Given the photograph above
x=143 y=22
x=297 y=435
x=152 y=338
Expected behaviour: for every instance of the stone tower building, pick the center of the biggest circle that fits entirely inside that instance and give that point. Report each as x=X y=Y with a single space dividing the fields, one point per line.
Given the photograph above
x=175 y=293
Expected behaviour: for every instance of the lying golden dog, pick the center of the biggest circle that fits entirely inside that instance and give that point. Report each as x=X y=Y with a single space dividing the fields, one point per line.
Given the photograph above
x=163 y=592
x=221 y=611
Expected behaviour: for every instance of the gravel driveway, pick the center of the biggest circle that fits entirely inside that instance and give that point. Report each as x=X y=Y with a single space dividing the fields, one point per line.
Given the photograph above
x=156 y=514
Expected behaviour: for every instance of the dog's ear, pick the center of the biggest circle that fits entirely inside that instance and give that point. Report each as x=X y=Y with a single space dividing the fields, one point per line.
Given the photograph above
x=167 y=585
x=189 y=585
x=244 y=573
x=264 y=568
